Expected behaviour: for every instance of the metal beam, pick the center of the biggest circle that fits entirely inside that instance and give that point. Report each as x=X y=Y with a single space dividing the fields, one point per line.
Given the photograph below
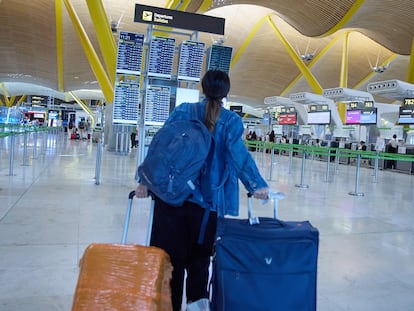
x=205 y=6
x=6 y=94
x=247 y=41
x=314 y=84
x=343 y=82
x=104 y=34
x=97 y=68
x=21 y=99
x=59 y=45
x=11 y=101
x=84 y=107
x=410 y=73
x=174 y=4
x=312 y=62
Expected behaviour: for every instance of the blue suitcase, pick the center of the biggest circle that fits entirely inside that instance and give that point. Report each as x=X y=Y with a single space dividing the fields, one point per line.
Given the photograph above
x=264 y=264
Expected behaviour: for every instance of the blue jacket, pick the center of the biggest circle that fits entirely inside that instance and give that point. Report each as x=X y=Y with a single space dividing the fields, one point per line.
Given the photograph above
x=231 y=160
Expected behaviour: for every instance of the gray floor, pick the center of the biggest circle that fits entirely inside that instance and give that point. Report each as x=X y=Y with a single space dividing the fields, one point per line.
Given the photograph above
x=51 y=209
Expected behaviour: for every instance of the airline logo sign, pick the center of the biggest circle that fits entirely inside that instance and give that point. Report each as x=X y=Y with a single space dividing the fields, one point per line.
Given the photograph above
x=178 y=19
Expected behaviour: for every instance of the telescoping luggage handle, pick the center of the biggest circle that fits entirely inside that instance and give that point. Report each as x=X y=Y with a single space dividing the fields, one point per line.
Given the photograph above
x=274 y=196
x=128 y=216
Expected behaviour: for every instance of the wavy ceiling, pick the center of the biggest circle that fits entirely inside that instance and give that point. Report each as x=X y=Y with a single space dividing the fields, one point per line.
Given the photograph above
x=378 y=32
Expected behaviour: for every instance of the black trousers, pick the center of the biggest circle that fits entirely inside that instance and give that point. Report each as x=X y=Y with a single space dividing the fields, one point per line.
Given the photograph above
x=133 y=143
x=176 y=230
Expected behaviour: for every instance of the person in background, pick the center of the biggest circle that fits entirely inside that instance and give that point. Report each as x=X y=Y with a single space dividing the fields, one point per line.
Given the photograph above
x=362 y=145
x=272 y=136
x=176 y=229
x=82 y=126
x=133 y=137
x=394 y=143
x=254 y=136
x=392 y=147
x=88 y=128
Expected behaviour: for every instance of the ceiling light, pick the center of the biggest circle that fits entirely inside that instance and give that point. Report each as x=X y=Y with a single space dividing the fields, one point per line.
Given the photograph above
x=307 y=57
x=380 y=69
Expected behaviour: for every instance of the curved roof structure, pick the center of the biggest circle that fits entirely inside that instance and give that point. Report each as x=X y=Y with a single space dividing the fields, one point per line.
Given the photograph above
x=279 y=47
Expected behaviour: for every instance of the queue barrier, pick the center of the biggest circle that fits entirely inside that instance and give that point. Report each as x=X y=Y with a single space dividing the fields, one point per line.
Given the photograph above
x=331 y=153
x=13 y=130
x=325 y=151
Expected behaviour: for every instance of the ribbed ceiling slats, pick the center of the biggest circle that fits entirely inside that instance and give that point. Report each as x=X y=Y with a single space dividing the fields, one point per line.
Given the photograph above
x=28 y=48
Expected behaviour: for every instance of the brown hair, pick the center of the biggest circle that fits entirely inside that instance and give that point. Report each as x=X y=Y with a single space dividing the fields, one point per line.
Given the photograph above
x=216 y=86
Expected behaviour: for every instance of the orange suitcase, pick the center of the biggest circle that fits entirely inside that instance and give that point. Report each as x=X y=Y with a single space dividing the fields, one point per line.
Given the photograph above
x=123 y=277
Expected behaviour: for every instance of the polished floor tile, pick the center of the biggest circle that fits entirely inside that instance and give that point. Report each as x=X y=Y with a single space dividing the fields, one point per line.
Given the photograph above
x=51 y=208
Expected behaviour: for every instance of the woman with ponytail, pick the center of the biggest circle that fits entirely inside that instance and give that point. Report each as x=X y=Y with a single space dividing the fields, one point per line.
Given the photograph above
x=176 y=229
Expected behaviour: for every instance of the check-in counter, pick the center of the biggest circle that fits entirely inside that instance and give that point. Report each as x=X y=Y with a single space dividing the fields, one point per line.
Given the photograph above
x=405 y=166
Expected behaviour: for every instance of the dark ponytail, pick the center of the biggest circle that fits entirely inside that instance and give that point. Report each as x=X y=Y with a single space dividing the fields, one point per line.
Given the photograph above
x=216 y=86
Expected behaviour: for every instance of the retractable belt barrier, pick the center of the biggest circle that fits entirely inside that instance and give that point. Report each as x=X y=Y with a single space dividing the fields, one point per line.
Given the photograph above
x=332 y=154
x=13 y=130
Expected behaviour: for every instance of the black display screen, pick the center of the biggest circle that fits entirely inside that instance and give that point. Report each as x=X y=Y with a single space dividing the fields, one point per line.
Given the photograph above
x=368 y=116
x=287 y=118
x=161 y=57
x=406 y=115
x=129 y=57
x=190 y=61
x=219 y=58
x=319 y=117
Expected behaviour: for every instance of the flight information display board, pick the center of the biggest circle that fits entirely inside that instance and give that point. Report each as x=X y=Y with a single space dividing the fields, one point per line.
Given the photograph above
x=129 y=57
x=219 y=58
x=126 y=100
x=368 y=116
x=406 y=115
x=190 y=60
x=157 y=104
x=287 y=118
x=319 y=117
x=161 y=57
x=353 y=117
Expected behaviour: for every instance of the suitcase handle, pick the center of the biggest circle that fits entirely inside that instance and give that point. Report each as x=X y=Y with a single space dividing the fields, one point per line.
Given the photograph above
x=274 y=196
x=128 y=216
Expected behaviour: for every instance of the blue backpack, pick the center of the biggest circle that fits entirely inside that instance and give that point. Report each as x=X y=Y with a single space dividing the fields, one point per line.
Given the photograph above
x=176 y=158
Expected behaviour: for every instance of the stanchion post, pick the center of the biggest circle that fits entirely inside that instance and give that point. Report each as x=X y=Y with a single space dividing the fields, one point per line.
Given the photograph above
x=336 y=160
x=358 y=164
x=34 y=144
x=98 y=164
x=290 y=158
x=328 y=166
x=302 y=185
x=11 y=161
x=376 y=162
x=43 y=142
x=25 y=154
x=272 y=157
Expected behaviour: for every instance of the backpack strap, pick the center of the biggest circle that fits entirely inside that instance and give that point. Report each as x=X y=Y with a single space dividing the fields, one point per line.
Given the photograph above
x=196 y=114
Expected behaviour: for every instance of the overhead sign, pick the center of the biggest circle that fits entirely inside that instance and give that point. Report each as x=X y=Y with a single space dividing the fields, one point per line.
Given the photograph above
x=178 y=19
x=408 y=101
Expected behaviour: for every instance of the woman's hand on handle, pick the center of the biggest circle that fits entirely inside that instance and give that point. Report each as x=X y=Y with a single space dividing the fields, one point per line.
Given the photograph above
x=261 y=194
x=141 y=191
